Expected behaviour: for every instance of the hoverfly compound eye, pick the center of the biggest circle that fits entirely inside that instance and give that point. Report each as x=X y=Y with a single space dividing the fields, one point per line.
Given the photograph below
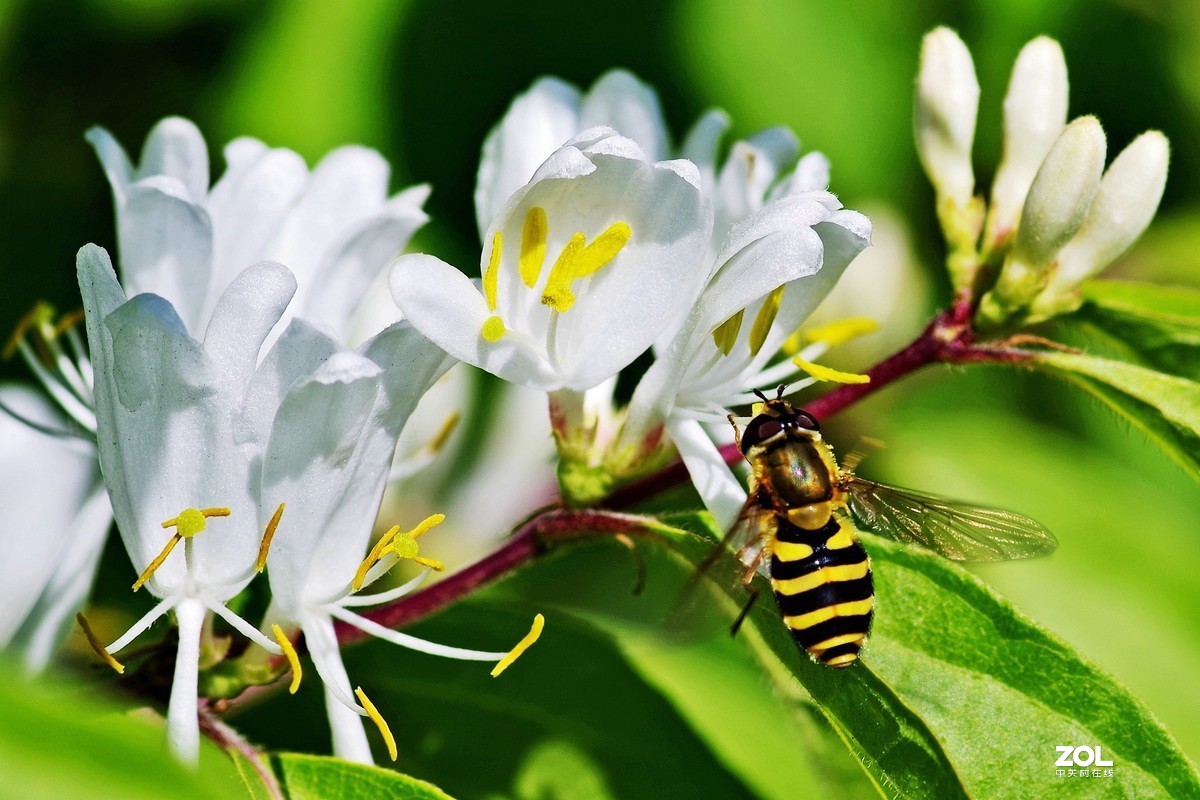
x=760 y=429
x=806 y=420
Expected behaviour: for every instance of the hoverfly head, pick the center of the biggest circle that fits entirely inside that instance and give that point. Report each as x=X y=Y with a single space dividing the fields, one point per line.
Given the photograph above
x=772 y=418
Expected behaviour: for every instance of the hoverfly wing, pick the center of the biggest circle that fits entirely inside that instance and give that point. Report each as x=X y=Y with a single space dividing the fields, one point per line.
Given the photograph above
x=958 y=531
x=722 y=572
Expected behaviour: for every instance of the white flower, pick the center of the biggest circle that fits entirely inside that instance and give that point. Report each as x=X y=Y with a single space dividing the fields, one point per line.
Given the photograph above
x=327 y=459
x=550 y=113
x=335 y=228
x=582 y=269
x=56 y=518
x=774 y=268
x=177 y=465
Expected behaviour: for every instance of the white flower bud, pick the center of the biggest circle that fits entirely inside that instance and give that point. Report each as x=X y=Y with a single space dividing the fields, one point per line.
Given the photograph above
x=1035 y=111
x=1061 y=194
x=1128 y=198
x=947 y=100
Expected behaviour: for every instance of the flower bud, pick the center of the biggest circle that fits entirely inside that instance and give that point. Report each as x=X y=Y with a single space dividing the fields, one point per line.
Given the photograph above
x=947 y=100
x=1128 y=197
x=1058 y=201
x=1035 y=111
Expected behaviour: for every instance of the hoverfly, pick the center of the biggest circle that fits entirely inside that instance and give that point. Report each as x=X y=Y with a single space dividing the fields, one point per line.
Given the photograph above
x=799 y=524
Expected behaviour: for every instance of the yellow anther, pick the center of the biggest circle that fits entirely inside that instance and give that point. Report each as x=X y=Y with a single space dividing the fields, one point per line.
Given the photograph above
x=402 y=544
x=580 y=261
x=424 y=525
x=157 y=562
x=268 y=535
x=841 y=331
x=285 y=644
x=493 y=329
x=373 y=556
x=533 y=245
x=823 y=373
x=440 y=438
x=189 y=522
x=764 y=319
x=727 y=332
x=68 y=321
x=433 y=564
x=40 y=317
x=491 y=276
x=98 y=646
x=535 y=631
x=379 y=721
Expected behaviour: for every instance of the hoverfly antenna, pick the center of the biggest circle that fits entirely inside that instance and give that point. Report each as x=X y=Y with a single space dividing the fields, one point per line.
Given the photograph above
x=760 y=395
x=780 y=390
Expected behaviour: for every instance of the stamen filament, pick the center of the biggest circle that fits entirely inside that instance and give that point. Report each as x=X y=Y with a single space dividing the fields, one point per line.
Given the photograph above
x=411 y=642
x=384 y=597
x=97 y=646
x=379 y=721
x=241 y=626
x=535 y=631
x=289 y=650
x=140 y=627
x=158 y=560
x=268 y=535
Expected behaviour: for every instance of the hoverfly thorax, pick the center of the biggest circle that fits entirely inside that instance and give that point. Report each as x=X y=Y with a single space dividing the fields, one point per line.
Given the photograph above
x=791 y=462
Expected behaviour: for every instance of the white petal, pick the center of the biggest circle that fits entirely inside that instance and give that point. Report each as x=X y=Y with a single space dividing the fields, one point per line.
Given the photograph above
x=535 y=125
x=166 y=248
x=297 y=353
x=44 y=481
x=811 y=175
x=701 y=144
x=349 y=268
x=622 y=102
x=411 y=364
x=327 y=459
x=52 y=618
x=445 y=306
x=113 y=160
x=248 y=206
x=720 y=490
x=175 y=147
x=246 y=312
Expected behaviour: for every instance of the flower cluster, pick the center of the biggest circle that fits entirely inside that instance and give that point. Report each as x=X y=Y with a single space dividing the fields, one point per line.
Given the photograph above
x=1056 y=217
x=598 y=250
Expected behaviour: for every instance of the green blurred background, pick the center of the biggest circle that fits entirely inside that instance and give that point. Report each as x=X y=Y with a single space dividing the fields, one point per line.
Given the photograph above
x=423 y=82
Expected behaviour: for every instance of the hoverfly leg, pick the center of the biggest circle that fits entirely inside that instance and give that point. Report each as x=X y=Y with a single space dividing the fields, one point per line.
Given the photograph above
x=737 y=434
x=639 y=584
x=741 y=617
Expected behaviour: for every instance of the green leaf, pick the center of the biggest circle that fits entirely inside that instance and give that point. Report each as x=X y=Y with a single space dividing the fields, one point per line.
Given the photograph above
x=968 y=689
x=322 y=778
x=61 y=740
x=1158 y=325
x=1166 y=408
x=1002 y=693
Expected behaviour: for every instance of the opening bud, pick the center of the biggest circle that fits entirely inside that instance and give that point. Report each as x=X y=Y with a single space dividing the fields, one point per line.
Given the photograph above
x=947 y=101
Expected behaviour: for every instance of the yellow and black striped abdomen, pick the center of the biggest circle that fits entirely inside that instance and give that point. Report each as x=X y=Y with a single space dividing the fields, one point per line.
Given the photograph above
x=822 y=583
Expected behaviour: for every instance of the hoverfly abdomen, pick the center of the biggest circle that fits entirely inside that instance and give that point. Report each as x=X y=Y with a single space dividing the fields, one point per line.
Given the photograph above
x=822 y=583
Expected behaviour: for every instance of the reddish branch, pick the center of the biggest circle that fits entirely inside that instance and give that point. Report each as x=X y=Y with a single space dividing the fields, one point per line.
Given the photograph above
x=948 y=339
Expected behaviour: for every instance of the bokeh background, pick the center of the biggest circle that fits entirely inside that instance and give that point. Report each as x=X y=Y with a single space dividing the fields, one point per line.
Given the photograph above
x=424 y=81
